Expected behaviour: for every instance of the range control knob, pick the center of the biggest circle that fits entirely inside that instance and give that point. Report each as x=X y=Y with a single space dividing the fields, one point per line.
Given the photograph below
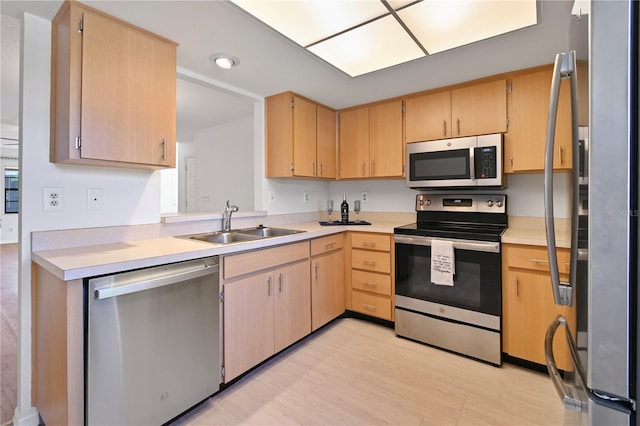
x=422 y=202
x=499 y=203
x=490 y=203
x=428 y=202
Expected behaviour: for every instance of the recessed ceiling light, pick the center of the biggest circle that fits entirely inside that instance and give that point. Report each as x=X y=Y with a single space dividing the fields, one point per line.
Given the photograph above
x=224 y=61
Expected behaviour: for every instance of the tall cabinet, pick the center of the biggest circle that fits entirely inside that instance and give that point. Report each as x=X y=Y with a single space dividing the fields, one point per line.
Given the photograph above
x=113 y=92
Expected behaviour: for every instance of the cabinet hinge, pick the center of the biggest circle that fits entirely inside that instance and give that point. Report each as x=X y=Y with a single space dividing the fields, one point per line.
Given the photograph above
x=292 y=167
x=404 y=108
x=222 y=371
x=509 y=89
x=293 y=103
x=80 y=26
x=508 y=123
x=78 y=142
x=222 y=297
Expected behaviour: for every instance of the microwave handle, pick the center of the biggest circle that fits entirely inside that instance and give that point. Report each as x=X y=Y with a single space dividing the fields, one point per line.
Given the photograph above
x=472 y=162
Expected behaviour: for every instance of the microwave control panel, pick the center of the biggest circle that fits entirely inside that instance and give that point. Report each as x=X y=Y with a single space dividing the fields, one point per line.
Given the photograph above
x=486 y=163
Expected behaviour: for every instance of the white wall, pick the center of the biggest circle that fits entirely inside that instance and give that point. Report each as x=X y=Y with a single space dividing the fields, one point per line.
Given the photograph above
x=224 y=166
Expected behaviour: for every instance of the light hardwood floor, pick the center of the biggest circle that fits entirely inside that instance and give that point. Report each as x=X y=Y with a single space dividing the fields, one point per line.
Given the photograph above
x=358 y=373
x=8 y=330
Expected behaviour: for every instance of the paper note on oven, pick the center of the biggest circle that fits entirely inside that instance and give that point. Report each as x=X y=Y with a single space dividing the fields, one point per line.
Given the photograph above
x=442 y=262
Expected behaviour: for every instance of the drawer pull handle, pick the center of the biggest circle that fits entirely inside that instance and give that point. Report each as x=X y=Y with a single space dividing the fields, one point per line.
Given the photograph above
x=539 y=261
x=281 y=281
x=368 y=243
x=370 y=307
x=269 y=286
x=317 y=270
x=369 y=262
x=370 y=283
x=329 y=245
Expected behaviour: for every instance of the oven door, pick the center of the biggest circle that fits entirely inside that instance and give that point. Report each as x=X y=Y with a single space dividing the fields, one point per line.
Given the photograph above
x=477 y=281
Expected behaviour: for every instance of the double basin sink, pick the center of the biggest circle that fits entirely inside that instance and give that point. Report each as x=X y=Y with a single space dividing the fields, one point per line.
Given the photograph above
x=241 y=235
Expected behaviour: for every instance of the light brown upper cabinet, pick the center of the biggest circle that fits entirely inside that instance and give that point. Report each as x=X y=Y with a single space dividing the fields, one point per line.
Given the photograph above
x=113 y=92
x=428 y=117
x=479 y=109
x=472 y=110
x=370 y=141
x=300 y=138
x=525 y=142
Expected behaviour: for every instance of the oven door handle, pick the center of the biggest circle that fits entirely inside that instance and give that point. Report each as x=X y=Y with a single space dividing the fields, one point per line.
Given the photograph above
x=485 y=246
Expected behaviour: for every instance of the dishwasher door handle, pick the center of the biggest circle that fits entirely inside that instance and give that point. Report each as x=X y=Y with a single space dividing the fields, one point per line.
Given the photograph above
x=113 y=291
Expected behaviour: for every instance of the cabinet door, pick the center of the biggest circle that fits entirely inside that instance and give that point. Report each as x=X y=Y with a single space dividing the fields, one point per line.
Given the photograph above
x=326 y=143
x=529 y=111
x=304 y=137
x=128 y=108
x=479 y=109
x=327 y=288
x=385 y=139
x=248 y=323
x=279 y=135
x=292 y=309
x=428 y=117
x=354 y=143
x=530 y=310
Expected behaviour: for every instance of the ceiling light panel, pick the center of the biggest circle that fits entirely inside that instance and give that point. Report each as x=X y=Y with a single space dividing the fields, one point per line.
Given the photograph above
x=445 y=24
x=307 y=22
x=379 y=44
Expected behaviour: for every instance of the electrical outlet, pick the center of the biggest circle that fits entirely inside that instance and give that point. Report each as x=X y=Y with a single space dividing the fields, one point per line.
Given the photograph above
x=305 y=197
x=95 y=199
x=272 y=197
x=364 y=197
x=52 y=199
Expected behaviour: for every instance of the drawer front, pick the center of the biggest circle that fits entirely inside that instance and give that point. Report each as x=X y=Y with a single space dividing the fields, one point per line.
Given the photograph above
x=379 y=242
x=371 y=261
x=246 y=263
x=371 y=304
x=535 y=258
x=326 y=244
x=370 y=281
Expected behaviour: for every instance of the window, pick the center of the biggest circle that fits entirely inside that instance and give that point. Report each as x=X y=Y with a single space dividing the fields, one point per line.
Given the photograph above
x=11 y=179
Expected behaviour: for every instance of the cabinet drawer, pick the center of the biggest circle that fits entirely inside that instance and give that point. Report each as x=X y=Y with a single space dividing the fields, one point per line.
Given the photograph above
x=369 y=281
x=371 y=261
x=327 y=244
x=379 y=242
x=535 y=258
x=246 y=263
x=371 y=304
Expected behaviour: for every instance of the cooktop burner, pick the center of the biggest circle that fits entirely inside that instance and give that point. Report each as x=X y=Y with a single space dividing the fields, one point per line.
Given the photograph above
x=478 y=217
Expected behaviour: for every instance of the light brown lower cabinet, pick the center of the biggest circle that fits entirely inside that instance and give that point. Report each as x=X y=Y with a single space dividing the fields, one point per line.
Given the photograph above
x=528 y=306
x=371 y=274
x=327 y=279
x=265 y=311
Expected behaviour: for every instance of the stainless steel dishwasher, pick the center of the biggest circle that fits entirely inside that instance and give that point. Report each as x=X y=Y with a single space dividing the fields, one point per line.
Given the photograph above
x=152 y=343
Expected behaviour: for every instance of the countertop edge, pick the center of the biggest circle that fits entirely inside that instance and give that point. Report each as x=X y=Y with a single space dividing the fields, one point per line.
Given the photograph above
x=90 y=261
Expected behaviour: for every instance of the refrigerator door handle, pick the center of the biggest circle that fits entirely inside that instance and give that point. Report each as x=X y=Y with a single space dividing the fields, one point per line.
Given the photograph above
x=564 y=68
x=571 y=402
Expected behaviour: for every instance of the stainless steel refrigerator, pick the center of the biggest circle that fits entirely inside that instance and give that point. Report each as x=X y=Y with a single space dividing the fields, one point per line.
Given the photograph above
x=604 y=245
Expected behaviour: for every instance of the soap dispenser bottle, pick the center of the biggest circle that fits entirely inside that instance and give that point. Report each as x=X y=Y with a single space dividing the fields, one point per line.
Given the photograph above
x=344 y=210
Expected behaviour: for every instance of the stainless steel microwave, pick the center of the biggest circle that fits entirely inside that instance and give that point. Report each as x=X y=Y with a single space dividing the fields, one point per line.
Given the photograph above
x=474 y=161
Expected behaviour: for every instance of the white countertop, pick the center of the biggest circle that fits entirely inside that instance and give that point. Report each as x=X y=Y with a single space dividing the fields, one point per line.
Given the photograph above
x=88 y=261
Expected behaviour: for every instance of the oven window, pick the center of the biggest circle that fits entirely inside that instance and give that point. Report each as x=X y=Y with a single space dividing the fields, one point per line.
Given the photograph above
x=477 y=280
x=440 y=165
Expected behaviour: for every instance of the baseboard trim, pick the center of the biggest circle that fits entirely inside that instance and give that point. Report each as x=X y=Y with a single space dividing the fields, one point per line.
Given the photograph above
x=29 y=418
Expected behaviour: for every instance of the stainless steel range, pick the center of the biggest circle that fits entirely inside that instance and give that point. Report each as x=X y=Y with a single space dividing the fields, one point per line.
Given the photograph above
x=448 y=274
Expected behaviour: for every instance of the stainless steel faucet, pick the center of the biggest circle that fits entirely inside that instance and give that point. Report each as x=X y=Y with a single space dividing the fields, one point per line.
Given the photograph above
x=226 y=216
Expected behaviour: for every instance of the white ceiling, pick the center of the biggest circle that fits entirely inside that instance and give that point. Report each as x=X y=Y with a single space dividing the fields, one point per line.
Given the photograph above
x=270 y=63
